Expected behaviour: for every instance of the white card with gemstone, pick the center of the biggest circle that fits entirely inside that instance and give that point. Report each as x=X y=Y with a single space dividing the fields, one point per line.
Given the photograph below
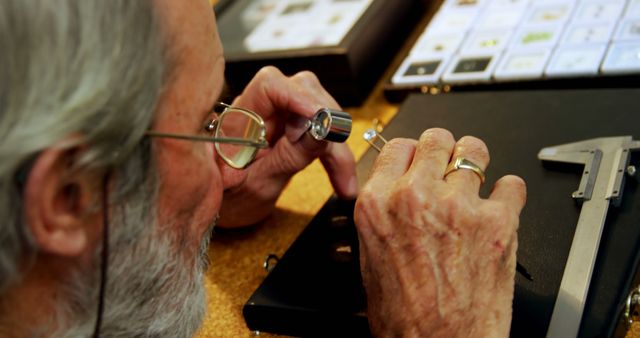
x=622 y=58
x=470 y=68
x=582 y=60
x=520 y=65
x=500 y=18
x=633 y=9
x=508 y=4
x=551 y=12
x=420 y=71
x=598 y=11
x=441 y=45
x=464 y=4
x=536 y=37
x=628 y=30
x=491 y=41
x=587 y=33
x=452 y=21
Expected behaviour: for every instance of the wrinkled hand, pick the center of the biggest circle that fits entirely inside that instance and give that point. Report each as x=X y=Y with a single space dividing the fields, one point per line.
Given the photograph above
x=437 y=260
x=285 y=104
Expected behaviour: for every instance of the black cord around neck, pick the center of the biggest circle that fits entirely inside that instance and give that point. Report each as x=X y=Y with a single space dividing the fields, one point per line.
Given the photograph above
x=105 y=253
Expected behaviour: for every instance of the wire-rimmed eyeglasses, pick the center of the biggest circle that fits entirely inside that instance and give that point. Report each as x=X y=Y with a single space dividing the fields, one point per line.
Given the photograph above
x=237 y=134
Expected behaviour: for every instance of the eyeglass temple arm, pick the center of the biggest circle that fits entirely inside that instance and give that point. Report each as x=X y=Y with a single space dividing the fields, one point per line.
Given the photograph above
x=230 y=140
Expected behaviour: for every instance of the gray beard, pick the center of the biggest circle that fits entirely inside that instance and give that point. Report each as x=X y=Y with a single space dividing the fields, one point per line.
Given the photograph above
x=155 y=285
x=160 y=295
x=152 y=291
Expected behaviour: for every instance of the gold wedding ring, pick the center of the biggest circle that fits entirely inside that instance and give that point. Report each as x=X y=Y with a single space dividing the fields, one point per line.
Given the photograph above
x=463 y=163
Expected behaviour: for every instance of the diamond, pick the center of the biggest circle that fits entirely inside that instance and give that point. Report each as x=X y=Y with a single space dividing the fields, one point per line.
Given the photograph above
x=370 y=134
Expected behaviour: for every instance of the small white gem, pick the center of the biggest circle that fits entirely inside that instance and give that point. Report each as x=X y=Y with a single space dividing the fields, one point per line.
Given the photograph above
x=370 y=134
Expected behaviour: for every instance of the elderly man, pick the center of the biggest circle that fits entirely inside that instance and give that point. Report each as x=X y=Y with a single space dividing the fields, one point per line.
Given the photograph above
x=114 y=167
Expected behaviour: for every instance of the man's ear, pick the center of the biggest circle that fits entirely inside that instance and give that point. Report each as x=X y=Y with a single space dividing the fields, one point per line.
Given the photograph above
x=58 y=203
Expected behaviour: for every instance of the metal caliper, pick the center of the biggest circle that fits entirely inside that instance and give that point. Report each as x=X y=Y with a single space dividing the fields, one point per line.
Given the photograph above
x=606 y=162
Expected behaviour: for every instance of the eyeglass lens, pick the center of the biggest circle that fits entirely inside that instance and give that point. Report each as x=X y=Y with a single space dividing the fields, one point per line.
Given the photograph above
x=238 y=124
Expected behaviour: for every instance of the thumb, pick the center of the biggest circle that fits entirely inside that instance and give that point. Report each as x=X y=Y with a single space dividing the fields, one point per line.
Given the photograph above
x=340 y=165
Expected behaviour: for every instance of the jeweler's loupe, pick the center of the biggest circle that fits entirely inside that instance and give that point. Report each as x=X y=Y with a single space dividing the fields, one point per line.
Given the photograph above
x=330 y=125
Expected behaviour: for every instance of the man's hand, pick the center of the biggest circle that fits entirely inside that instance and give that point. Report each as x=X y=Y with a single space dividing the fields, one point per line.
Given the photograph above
x=285 y=104
x=436 y=259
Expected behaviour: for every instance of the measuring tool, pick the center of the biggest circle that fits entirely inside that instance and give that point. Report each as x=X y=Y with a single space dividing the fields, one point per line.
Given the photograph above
x=606 y=163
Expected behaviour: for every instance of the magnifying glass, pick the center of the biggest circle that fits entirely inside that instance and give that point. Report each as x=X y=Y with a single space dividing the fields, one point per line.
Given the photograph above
x=330 y=125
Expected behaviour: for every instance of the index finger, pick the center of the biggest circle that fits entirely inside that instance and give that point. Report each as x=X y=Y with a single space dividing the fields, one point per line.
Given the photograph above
x=392 y=163
x=294 y=100
x=340 y=165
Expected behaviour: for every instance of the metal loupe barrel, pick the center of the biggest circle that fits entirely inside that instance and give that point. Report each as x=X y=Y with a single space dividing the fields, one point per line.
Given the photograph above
x=330 y=125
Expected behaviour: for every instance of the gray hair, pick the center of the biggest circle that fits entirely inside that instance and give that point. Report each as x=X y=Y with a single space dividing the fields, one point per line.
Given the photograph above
x=73 y=67
x=95 y=68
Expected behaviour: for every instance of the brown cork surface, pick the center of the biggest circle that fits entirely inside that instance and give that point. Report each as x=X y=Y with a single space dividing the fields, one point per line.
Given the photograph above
x=634 y=331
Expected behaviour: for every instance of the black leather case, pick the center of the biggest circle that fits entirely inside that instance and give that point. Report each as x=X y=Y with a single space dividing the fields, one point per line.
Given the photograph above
x=315 y=290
